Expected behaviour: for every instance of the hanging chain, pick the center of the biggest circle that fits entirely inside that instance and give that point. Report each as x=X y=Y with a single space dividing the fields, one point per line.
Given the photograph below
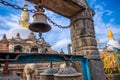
x=59 y=26
x=12 y=5
x=30 y=10
x=15 y=6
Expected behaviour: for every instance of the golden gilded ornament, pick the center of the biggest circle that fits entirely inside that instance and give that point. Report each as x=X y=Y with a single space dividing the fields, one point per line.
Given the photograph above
x=110 y=34
x=110 y=62
x=24 y=17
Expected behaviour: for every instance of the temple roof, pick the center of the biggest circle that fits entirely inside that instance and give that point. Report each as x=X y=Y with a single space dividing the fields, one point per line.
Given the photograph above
x=32 y=36
x=4 y=39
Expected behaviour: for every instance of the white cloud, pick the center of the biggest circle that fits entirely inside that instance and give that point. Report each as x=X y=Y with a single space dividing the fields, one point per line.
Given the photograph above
x=2 y=32
x=61 y=43
x=99 y=22
x=58 y=19
x=109 y=12
x=103 y=40
x=92 y=2
x=9 y=21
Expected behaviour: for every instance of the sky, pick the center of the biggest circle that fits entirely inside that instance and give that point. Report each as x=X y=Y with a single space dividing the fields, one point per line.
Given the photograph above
x=106 y=15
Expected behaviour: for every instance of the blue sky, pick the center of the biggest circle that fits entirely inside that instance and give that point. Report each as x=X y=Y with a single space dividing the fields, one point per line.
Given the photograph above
x=107 y=15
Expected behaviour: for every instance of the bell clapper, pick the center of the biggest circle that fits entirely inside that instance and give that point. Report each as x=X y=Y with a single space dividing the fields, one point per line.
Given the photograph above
x=40 y=35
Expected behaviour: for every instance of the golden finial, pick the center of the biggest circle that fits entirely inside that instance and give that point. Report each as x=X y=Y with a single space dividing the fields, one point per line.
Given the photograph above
x=25 y=6
x=110 y=34
x=24 y=17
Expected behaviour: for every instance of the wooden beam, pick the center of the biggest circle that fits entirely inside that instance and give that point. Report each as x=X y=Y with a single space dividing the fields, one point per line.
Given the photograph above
x=66 y=8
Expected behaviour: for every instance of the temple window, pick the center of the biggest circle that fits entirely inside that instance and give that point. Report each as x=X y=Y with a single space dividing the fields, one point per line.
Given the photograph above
x=46 y=50
x=34 y=50
x=18 y=48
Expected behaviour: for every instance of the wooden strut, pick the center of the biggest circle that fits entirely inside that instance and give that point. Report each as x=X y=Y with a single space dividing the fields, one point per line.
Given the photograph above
x=5 y=69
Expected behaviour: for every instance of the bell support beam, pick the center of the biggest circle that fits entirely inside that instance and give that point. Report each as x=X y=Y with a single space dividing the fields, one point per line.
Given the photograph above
x=66 y=8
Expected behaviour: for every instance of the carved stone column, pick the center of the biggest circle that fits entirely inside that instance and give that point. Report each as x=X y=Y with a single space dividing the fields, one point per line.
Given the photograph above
x=84 y=42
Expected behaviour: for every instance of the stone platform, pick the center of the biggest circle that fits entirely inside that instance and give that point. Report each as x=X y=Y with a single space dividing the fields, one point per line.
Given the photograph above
x=113 y=76
x=11 y=77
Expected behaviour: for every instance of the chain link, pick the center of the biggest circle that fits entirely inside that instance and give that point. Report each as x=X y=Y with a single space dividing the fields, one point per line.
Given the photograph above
x=32 y=11
x=15 y=6
x=12 y=5
x=59 y=26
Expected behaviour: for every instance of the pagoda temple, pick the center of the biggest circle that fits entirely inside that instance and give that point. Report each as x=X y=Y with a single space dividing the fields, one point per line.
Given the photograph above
x=18 y=45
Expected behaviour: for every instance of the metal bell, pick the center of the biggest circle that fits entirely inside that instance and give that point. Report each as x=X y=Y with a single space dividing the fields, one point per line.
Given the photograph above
x=39 y=23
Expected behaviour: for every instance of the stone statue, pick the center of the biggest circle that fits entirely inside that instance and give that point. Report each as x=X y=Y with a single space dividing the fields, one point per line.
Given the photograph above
x=29 y=72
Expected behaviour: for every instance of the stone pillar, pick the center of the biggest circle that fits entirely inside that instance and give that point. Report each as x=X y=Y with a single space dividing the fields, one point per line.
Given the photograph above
x=84 y=42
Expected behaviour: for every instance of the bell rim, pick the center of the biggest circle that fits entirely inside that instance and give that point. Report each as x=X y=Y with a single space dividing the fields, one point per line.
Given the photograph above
x=38 y=28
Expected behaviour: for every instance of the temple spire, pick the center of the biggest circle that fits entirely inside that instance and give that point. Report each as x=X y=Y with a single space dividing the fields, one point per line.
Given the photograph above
x=32 y=36
x=24 y=17
x=4 y=37
x=18 y=36
x=110 y=34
